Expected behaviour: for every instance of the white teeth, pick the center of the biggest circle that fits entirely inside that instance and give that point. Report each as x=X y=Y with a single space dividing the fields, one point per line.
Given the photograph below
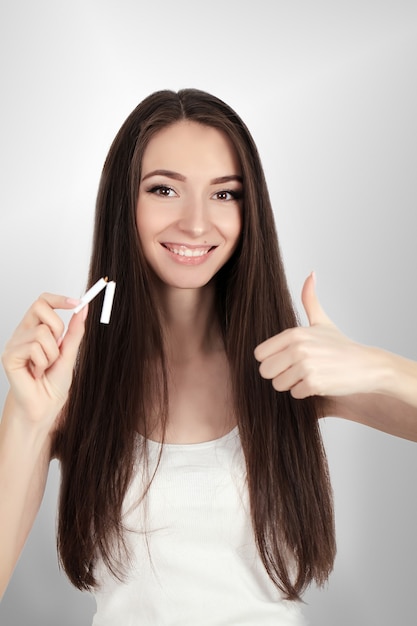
x=188 y=252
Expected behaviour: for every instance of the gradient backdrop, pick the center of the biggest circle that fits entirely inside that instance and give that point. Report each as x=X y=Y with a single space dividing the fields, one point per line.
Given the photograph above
x=329 y=91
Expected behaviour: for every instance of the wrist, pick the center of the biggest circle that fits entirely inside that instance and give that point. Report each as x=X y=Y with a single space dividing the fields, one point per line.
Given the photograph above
x=17 y=421
x=397 y=377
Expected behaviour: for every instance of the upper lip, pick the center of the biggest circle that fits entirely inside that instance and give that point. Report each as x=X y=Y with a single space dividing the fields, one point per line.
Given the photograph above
x=170 y=244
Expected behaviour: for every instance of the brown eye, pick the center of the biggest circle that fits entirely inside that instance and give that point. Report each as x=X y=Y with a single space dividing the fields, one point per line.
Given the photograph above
x=227 y=195
x=162 y=190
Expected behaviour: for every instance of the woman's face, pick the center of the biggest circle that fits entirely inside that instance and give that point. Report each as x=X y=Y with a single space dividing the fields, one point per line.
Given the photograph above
x=189 y=205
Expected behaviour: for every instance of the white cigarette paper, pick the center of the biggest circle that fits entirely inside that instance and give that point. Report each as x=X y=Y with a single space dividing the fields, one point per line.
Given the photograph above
x=91 y=294
x=108 y=302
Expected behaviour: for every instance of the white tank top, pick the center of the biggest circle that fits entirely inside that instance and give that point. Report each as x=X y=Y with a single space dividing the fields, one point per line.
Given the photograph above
x=194 y=560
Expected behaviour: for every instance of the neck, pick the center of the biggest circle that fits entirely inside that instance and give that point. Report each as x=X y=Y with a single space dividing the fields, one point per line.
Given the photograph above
x=191 y=322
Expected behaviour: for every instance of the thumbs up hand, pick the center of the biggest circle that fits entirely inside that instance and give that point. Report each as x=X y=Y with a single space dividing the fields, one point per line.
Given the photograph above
x=317 y=359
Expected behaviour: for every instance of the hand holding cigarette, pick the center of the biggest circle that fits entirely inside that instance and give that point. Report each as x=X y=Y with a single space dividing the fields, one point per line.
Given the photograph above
x=110 y=287
x=40 y=356
x=39 y=360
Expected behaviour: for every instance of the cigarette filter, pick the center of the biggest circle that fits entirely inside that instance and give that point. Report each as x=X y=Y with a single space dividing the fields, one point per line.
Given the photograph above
x=91 y=294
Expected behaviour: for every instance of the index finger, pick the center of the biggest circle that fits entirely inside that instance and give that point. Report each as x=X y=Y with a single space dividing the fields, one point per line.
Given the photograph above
x=43 y=309
x=56 y=301
x=273 y=345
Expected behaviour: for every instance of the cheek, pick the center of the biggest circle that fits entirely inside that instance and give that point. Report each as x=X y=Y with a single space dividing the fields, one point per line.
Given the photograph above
x=147 y=224
x=232 y=226
x=142 y=235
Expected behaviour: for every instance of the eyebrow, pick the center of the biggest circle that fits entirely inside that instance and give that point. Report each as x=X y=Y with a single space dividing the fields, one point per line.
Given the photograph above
x=177 y=176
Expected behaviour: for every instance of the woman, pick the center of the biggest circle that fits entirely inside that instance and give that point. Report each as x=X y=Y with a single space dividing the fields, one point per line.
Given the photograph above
x=231 y=517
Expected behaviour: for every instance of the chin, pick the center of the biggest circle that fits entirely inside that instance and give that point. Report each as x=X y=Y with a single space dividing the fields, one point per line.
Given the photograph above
x=185 y=283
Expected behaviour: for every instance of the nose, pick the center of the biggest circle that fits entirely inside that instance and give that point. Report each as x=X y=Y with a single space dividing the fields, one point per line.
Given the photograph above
x=195 y=218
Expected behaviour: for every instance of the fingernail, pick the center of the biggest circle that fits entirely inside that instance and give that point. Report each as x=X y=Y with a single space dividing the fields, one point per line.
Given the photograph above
x=73 y=301
x=313 y=276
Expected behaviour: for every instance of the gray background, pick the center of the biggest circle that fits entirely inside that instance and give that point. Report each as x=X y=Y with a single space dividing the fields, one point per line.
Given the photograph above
x=329 y=92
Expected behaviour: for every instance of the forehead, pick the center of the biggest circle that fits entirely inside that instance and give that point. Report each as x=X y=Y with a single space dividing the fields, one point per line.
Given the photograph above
x=188 y=146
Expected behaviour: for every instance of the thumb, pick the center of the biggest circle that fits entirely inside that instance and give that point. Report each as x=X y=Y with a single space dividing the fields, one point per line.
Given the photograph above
x=312 y=306
x=61 y=373
x=73 y=336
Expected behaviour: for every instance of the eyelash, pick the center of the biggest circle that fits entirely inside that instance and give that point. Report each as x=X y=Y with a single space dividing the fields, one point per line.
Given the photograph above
x=156 y=189
x=236 y=195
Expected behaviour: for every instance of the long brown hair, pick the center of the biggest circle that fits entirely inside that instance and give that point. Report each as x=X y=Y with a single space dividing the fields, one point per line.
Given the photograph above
x=116 y=376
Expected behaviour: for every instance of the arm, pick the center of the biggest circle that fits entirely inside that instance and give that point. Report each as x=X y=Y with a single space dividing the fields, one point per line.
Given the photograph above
x=360 y=383
x=39 y=365
x=391 y=406
x=24 y=463
x=389 y=415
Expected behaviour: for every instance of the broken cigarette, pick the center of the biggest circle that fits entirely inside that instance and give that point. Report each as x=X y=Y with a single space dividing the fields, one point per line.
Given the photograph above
x=91 y=293
x=110 y=287
x=108 y=302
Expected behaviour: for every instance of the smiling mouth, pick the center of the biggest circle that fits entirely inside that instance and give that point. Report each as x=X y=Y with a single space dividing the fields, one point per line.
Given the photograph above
x=185 y=251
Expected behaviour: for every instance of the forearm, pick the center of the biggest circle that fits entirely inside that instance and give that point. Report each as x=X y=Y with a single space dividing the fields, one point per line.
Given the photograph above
x=387 y=414
x=24 y=463
x=400 y=381
x=391 y=403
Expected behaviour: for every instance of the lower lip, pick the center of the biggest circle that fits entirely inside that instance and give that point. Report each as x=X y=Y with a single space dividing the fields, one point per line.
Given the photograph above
x=189 y=260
